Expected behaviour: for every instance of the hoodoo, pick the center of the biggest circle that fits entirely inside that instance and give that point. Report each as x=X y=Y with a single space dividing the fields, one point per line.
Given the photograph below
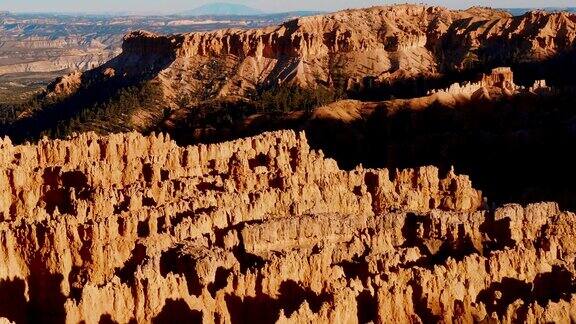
x=397 y=164
x=262 y=230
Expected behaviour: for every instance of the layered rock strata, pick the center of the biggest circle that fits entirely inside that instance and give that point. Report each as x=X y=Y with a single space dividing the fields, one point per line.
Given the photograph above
x=129 y=228
x=381 y=42
x=354 y=49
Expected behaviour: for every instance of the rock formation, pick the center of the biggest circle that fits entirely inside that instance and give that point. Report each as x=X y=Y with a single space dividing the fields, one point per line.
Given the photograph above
x=308 y=51
x=35 y=49
x=373 y=54
x=501 y=78
x=130 y=228
x=500 y=81
x=534 y=36
x=352 y=48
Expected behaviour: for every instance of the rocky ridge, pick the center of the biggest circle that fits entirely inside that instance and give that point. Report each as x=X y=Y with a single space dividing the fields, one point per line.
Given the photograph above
x=353 y=49
x=308 y=51
x=37 y=48
x=264 y=229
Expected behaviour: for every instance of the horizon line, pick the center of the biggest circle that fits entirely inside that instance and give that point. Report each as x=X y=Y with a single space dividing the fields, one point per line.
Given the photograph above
x=264 y=13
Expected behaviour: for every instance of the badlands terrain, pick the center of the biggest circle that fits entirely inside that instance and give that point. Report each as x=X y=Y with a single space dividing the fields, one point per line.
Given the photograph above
x=37 y=48
x=405 y=164
x=372 y=54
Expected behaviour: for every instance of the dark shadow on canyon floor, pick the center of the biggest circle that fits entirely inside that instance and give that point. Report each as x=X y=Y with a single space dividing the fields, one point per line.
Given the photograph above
x=516 y=149
x=13 y=302
x=45 y=304
x=177 y=311
x=265 y=309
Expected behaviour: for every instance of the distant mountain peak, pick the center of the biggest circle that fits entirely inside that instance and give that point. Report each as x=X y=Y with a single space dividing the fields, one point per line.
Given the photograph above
x=223 y=9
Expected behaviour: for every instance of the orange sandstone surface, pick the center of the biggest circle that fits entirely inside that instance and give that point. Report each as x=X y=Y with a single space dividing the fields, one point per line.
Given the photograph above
x=127 y=228
x=348 y=48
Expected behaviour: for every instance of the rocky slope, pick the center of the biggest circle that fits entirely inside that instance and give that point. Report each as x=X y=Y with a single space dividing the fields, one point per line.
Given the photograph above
x=36 y=48
x=368 y=54
x=130 y=228
x=353 y=49
x=386 y=42
x=52 y=42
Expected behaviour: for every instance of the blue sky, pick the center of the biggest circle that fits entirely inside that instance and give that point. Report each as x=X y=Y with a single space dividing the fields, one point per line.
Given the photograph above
x=163 y=6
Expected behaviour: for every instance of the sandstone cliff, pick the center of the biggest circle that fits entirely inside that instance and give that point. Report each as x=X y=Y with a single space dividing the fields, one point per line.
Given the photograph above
x=343 y=48
x=535 y=36
x=403 y=51
x=353 y=49
x=263 y=229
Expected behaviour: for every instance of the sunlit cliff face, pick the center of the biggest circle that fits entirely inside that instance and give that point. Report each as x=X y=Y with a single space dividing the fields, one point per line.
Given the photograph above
x=94 y=225
x=135 y=227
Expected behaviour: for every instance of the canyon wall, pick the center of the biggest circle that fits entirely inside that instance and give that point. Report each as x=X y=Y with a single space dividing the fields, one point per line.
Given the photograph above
x=354 y=49
x=385 y=43
x=534 y=36
x=263 y=229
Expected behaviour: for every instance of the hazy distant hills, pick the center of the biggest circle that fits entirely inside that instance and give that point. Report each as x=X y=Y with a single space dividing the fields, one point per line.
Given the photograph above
x=223 y=9
x=521 y=11
x=230 y=9
x=35 y=48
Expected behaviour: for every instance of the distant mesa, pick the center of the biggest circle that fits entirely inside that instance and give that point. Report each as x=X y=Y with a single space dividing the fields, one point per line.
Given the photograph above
x=223 y=9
